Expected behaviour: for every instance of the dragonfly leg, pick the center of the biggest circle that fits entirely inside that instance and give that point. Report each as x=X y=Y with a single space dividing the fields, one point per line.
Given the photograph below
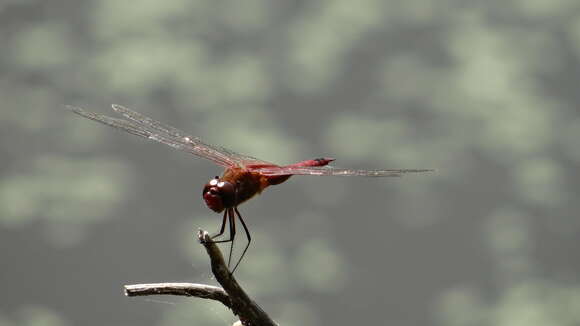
x=222 y=229
x=231 y=239
x=247 y=235
x=232 y=218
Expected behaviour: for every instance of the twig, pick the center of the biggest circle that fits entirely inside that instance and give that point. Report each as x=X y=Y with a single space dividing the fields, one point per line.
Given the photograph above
x=231 y=295
x=183 y=289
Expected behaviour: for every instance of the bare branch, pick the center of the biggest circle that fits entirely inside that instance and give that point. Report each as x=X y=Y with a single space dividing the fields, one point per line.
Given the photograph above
x=244 y=307
x=231 y=295
x=184 y=289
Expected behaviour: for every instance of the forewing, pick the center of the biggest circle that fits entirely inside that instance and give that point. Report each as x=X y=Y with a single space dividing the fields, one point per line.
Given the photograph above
x=146 y=127
x=273 y=171
x=207 y=150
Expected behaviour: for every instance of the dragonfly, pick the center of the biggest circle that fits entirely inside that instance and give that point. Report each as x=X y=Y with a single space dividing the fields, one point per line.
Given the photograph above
x=243 y=177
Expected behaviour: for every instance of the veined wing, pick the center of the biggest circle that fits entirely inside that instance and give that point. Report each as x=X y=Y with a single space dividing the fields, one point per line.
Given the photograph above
x=146 y=127
x=274 y=171
x=235 y=158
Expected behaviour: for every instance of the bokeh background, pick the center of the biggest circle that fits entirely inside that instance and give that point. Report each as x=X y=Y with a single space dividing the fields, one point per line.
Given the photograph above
x=486 y=92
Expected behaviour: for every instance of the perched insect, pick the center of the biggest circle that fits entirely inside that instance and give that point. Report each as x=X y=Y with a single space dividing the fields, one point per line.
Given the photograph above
x=244 y=176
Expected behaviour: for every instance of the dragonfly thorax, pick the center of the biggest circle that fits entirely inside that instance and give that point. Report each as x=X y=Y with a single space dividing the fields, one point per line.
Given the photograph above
x=219 y=195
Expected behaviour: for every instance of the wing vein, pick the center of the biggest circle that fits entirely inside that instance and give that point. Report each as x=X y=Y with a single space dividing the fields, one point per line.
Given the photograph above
x=145 y=127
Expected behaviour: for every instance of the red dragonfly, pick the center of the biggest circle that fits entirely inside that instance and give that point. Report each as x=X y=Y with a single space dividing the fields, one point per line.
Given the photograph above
x=244 y=176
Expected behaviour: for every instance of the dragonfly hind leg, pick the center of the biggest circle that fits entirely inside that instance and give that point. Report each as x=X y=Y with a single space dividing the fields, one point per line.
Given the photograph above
x=247 y=236
x=232 y=234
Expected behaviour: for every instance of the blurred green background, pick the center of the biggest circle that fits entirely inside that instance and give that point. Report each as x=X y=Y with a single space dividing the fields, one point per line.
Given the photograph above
x=486 y=92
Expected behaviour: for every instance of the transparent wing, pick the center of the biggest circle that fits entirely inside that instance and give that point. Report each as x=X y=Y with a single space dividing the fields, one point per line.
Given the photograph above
x=146 y=127
x=234 y=157
x=274 y=171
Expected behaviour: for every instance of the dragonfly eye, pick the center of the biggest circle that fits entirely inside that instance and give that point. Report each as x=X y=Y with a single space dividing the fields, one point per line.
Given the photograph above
x=227 y=193
x=219 y=195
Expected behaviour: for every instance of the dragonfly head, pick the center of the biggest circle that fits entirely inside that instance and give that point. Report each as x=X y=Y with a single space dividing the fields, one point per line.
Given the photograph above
x=219 y=195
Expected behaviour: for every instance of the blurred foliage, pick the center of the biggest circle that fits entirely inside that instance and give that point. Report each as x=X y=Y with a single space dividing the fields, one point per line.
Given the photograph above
x=485 y=92
x=68 y=193
x=532 y=302
x=522 y=297
x=34 y=316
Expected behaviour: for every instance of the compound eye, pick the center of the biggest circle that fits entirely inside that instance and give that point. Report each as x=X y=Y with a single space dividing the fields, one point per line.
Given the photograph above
x=225 y=186
x=227 y=193
x=212 y=196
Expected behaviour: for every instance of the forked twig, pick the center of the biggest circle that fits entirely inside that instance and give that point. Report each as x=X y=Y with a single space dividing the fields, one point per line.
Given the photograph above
x=231 y=294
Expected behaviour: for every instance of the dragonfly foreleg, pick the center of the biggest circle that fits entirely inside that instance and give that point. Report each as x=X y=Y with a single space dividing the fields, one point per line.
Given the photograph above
x=227 y=216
